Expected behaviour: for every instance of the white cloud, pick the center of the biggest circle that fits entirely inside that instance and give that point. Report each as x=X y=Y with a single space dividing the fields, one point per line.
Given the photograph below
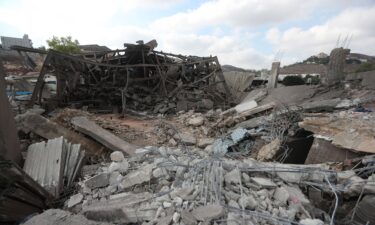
x=236 y=13
x=356 y=22
x=225 y=28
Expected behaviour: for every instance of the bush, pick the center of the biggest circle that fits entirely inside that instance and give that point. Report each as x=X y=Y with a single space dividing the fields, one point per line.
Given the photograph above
x=293 y=80
x=314 y=79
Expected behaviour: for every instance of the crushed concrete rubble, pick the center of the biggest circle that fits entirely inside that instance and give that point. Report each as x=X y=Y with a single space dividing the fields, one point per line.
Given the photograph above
x=168 y=144
x=168 y=185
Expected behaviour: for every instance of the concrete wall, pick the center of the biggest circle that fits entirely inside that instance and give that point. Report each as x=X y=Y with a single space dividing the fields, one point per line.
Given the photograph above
x=7 y=42
x=367 y=78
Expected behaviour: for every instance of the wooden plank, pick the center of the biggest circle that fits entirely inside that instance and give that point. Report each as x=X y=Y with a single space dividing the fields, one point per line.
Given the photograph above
x=111 y=141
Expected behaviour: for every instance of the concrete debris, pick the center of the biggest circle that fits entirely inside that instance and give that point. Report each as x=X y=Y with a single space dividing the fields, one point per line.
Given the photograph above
x=74 y=200
x=204 y=142
x=139 y=176
x=263 y=182
x=238 y=134
x=186 y=138
x=117 y=156
x=208 y=213
x=60 y=217
x=100 y=180
x=345 y=130
x=207 y=160
x=363 y=213
x=196 y=121
x=321 y=105
x=245 y=106
x=268 y=151
x=324 y=151
x=311 y=222
x=85 y=126
x=188 y=218
x=122 y=167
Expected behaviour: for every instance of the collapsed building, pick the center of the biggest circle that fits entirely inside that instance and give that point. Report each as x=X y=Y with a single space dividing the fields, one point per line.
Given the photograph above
x=199 y=155
x=137 y=77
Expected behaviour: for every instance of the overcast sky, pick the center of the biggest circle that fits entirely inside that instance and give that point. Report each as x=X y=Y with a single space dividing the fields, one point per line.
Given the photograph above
x=244 y=33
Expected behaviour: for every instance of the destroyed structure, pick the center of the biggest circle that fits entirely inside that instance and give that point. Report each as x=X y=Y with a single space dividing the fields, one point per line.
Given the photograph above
x=139 y=136
x=137 y=77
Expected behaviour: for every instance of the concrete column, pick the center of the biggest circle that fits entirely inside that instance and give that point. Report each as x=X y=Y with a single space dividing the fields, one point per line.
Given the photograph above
x=272 y=81
x=336 y=65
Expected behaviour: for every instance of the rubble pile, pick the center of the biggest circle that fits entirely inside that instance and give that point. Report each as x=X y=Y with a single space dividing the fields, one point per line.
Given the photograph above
x=137 y=77
x=172 y=185
x=138 y=136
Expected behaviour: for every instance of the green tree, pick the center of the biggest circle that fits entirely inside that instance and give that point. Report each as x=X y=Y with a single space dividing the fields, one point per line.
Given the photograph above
x=64 y=44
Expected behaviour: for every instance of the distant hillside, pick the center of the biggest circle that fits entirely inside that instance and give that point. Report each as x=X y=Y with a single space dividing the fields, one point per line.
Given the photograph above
x=227 y=68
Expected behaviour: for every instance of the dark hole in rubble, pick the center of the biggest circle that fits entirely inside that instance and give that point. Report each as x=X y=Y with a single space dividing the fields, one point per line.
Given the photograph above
x=298 y=147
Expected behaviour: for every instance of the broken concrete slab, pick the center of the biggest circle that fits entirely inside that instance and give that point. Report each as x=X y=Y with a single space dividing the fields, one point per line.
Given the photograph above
x=248 y=202
x=245 y=106
x=183 y=193
x=127 y=208
x=256 y=110
x=122 y=167
x=188 y=218
x=74 y=200
x=100 y=180
x=233 y=177
x=256 y=95
x=196 y=121
x=311 y=222
x=321 y=105
x=324 y=151
x=281 y=195
x=165 y=220
x=60 y=217
x=204 y=142
x=111 y=141
x=208 y=213
x=139 y=176
x=352 y=132
x=117 y=156
x=290 y=95
x=263 y=182
x=185 y=138
x=269 y=150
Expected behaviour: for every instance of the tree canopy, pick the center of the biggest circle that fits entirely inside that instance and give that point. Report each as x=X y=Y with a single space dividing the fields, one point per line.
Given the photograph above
x=64 y=44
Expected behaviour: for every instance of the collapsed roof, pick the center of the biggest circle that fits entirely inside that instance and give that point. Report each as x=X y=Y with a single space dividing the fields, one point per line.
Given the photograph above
x=137 y=77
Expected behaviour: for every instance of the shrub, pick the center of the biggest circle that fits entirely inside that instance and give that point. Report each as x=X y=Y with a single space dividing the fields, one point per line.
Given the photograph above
x=293 y=80
x=314 y=79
